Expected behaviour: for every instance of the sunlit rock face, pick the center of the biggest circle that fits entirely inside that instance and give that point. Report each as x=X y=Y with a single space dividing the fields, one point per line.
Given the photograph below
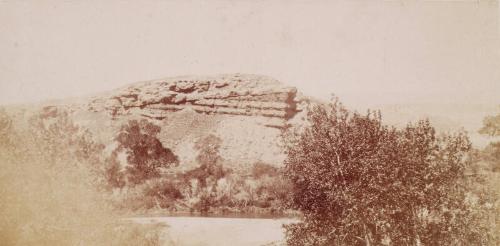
x=247 y=112
x=235 y=94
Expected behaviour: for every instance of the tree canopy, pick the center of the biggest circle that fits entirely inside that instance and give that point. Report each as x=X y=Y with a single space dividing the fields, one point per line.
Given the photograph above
x=146 y=155
x=359 y=182
x=491 y=126
x=491 y=153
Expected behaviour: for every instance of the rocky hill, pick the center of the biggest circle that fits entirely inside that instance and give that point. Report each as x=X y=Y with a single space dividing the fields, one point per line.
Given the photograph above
x=247 y=112
x=245 y=95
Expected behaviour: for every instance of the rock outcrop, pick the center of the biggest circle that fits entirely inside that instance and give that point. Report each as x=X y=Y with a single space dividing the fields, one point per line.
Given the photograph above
x=236 y=94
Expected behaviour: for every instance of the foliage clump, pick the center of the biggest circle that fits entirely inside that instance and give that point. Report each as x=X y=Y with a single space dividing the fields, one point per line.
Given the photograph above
x=491 y=154
x=146 y=156
x=359 y=182
x=212 y=187
x=52 y=184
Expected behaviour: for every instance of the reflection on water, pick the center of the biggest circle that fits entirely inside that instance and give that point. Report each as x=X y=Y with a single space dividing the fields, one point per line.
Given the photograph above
x=220 y=231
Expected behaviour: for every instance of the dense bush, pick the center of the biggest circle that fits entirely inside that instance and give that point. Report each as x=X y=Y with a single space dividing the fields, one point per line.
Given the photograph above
x=491 y=126
x=51 y=187
x=212 y=187
x=153 y=194
x=203 y=180
x=210 y=167
x=260 y=169
x=146 y=155
x=491 y=154
x=358 y=182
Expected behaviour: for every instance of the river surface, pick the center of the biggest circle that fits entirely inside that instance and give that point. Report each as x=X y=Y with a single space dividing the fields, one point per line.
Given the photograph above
x=220 y=231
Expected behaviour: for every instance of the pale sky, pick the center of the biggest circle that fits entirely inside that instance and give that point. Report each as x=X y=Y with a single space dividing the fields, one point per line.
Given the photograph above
x=366 y=52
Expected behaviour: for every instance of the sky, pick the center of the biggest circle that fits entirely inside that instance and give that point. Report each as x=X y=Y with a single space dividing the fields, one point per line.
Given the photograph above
x=366 y=52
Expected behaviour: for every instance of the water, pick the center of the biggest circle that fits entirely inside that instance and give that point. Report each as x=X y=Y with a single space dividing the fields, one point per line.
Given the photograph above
x=221 y=231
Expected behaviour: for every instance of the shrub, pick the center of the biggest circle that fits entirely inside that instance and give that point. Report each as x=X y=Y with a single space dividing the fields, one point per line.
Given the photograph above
x=260 y=169
x=166 y=191
x=50 y=186
x=146 y=155
x=358 y=182
x=207 y=174
x=491 y=154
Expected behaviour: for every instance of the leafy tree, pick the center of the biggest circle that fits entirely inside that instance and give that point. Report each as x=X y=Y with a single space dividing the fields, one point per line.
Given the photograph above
x=54 y=128
x=359 y=182
x=114 y=174
x=208 y=155
x=491 y=127
x=145 y=153
x=209 y=160
x=209 y=171
x=50 y=186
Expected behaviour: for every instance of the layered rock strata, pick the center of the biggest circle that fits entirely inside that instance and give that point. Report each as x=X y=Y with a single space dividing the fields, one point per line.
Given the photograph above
x=243 y=95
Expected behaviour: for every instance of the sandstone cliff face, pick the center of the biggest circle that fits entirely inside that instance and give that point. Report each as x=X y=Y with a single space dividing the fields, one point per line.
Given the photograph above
x=236 y=94
x=247 y=112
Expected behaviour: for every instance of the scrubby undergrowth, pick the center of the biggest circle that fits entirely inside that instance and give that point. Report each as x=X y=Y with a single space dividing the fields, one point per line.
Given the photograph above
x=51 y=188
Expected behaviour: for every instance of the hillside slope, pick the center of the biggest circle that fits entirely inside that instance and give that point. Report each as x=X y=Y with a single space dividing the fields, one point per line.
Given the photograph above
x=247 y=112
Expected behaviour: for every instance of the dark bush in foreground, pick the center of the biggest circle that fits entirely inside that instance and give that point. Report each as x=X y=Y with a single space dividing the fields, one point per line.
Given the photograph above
x=358 y=182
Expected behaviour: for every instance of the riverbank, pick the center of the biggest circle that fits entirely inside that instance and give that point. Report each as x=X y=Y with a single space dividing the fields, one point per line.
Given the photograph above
x=218 y=213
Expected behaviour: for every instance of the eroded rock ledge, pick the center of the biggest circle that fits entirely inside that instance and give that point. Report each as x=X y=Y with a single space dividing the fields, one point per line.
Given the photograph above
x=235 y=94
